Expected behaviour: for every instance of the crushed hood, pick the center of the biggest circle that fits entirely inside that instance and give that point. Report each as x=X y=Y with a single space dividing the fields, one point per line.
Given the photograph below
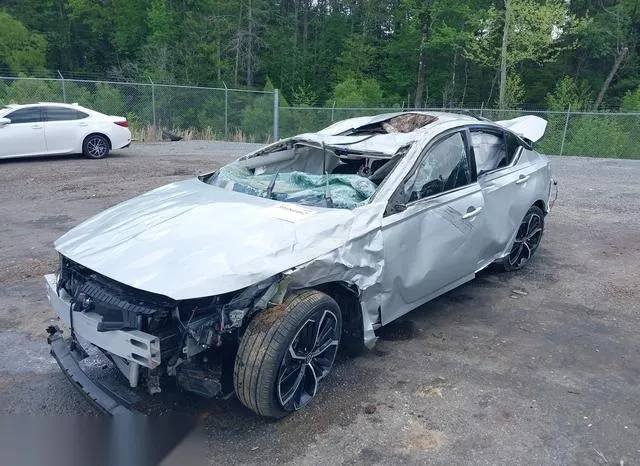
x=190 y=239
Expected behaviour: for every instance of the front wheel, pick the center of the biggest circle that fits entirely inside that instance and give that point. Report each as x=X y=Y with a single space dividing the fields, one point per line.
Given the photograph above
x=95 y=146
x=286 y=352
x=527 y=240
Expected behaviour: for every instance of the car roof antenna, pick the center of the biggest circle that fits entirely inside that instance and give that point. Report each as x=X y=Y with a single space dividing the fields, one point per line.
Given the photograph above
x=327 y=191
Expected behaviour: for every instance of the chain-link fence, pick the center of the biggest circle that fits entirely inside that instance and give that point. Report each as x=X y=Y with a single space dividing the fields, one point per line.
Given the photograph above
x=254 y=116
x=601 y=134
x=187 y=111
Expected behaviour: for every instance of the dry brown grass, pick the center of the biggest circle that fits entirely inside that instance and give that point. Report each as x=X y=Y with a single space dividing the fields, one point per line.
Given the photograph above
x=149 y=134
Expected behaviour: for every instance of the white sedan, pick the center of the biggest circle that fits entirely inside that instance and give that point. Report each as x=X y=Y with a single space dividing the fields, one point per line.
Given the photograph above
x=55 y=129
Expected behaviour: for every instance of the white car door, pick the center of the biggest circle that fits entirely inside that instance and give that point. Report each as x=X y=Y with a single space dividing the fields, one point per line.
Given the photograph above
x=24 y=135
x=64 y=129
x=433 y=243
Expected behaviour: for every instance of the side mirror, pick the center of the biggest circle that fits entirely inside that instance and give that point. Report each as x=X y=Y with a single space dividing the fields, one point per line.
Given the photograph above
x=4 y=122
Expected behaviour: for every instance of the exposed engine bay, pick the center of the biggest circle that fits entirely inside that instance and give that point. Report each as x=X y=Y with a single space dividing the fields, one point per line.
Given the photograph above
x=196 y=339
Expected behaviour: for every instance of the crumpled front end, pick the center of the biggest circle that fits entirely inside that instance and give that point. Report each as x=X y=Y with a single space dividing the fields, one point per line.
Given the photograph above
x=148 y=336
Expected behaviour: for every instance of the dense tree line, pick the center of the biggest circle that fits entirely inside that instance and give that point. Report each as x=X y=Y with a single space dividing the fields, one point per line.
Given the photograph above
x=513 y=53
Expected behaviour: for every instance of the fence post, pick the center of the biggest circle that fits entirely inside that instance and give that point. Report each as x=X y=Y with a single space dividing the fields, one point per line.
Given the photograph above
x=333 y=107
x=481 y=108
x=564 y=134
x=153 y=102
x=226 y=110
x=276 y=108
x=64 y=88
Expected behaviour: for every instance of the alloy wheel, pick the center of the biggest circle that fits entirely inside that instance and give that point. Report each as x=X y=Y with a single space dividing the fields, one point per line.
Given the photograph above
x=97 y=147
x=308 y=360
x=527 y=240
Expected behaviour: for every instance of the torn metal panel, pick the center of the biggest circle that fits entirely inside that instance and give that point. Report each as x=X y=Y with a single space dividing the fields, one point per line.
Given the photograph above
x=530 y=127
x=353 y=124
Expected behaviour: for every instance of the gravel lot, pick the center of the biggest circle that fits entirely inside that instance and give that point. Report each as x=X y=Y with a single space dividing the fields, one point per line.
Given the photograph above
x=540 y=366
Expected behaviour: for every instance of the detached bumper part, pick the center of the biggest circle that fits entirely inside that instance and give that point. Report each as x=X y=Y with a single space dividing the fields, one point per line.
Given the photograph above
x=95 y=392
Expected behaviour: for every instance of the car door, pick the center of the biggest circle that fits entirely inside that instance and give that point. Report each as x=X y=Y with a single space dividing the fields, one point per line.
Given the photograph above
x=432 y=242
x=64 y=129
x=502 y=177
x=24 y=136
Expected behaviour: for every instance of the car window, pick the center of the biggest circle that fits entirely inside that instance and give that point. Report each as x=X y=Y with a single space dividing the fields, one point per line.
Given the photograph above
x=63 y=114
x=25 y=115
x=443 y=168
x=489 y=150
x=493 y=150
x=513 y=144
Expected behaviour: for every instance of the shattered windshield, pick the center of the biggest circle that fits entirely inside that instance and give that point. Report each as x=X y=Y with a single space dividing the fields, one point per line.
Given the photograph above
x=304 y=174
x=341 y=191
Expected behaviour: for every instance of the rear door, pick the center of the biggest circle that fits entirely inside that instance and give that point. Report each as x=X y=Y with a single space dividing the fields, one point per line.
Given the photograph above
x=503 y=179
x=64 y=129
x=24 y=135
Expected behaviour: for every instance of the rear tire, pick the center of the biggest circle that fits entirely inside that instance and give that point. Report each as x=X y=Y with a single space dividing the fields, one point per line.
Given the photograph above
x=528 y=238
x=286 y=352
x=95 y=146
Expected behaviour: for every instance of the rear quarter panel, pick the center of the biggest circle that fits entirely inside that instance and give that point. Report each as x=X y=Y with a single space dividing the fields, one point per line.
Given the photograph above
x=118 y=136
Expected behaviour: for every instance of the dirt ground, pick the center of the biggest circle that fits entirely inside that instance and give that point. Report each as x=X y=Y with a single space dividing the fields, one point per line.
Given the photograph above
x=541 y=366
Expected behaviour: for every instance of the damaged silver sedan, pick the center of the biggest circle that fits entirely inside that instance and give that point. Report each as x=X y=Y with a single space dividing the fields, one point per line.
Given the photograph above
x=250 y=278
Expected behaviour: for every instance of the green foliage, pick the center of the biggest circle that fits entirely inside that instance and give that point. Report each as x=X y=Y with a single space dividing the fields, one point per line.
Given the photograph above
x=21 y=50
x=514 y=92
x=631 y=101
x=257 y=118
x=31 y=91
x=353 y=53
x=304 y=95
x=108 y=99
x=358 y=93
x=569 y=93
x=601 y=136
x=356 y=60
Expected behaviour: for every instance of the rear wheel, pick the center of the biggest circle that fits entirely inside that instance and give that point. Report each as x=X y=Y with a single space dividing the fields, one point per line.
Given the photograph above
x=95 y=146
x=286 y=352
x=527 y=240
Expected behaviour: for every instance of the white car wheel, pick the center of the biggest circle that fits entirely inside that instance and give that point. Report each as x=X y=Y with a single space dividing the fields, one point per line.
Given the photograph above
x=95 y=146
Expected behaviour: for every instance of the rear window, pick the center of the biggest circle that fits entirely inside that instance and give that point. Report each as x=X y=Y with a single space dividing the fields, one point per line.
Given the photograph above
x=63 y=114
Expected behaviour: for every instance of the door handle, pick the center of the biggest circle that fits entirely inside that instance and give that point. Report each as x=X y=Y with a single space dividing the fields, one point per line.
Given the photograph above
x=522 y=178
x=472 y=212
x=37 y=127
x=83 y=124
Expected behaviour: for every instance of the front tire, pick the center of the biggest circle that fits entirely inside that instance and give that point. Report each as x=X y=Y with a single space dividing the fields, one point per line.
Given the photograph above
x=528 y=238
x=286 y=352
x=95 y=146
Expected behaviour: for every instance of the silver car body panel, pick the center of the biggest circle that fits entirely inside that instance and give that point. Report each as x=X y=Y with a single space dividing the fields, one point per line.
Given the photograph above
x=190 y=239
x=133 y=345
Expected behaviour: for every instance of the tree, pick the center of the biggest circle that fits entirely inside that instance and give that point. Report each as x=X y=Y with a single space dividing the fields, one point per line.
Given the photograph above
x=354 y=92
x=569 y=93
x=615 y=34
x=525 y=30
x=631 y=101
x=21 y=51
